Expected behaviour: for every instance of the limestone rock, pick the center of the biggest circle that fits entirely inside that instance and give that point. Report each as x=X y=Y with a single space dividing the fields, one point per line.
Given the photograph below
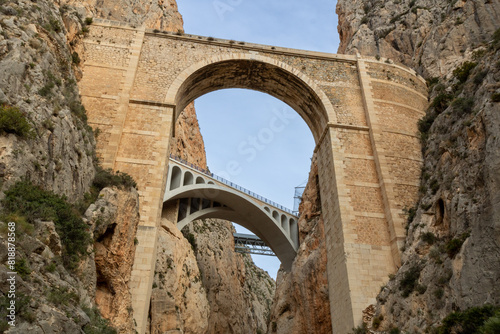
x=188 y=142
x=46 y=233
x=178 y=299
x=36 y=77
x=115 y=217
x=238 y=292
x=157 y=14
x=430 y=36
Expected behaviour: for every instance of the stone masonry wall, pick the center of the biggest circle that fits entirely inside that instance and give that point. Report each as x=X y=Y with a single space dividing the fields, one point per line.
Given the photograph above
x=345 y=109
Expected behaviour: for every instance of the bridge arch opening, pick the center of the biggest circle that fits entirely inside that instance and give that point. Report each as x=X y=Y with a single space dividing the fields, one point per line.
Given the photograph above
x=176 y=178
x=267 y=76
x=188 y=178
x=257 y=73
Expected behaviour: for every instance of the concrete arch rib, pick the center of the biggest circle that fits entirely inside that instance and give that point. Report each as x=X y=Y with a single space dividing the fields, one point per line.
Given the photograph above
x=242 y=210
x=217 y=212
x=256 y=72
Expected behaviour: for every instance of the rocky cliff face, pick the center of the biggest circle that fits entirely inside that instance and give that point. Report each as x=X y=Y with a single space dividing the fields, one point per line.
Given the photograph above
x=157 y=14
x=114 y=218
x=188 y=143
x=36 y=78
x=450 y=260
x=239 y=293
x=431 y=37
x=179 y=300
x=45 y=141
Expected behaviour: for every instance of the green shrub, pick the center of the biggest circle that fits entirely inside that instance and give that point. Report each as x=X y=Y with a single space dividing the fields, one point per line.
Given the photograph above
x=35 y=203
x=463 y=105
x=478 y=78
x=12 y=120
x=191 y=239
x=75 y=58
x=424 y=125
x=428 y=237
x=62 y=296
x=89 y=21
x=78 y=109
x=23 y=227
x=51 y=267
x=492 y=325
x=463 y=71
x=441 y=102
x=394 y=330
x=421 y=289
x=377 y=321
x=22 y=268
x=445 y=278
x=496 y=39
x=21 y=307
x=431 y=82
x=106 y=178
x=453 y=246
x=409 y=281
x=495 y=97
x=435 y=254
x=466 y=322
x=434 y=185
x=47 y=89
x=360 y=329
x=411 y=212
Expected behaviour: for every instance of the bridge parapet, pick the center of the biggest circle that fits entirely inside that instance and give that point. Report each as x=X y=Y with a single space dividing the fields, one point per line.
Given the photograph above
x=232 y=185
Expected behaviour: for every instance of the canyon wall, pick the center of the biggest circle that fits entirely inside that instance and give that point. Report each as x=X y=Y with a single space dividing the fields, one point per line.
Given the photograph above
x=48 y=169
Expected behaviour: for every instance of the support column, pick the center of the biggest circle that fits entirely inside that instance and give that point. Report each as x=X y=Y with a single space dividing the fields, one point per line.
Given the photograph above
x=336 y=213
x=109 y=158
x=395 y=223
x=143 y=153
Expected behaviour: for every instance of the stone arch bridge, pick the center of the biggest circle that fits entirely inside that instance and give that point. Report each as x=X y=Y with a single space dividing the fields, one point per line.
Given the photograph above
x=361 y=111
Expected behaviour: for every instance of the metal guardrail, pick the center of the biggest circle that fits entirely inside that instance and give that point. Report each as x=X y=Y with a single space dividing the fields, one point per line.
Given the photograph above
x=230 y=184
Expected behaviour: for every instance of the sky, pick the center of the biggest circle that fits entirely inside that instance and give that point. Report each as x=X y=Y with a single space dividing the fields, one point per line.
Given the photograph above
x=240 y=143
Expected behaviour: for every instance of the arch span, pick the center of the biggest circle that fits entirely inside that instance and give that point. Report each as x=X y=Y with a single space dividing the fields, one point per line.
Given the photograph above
x=233 y=205
x=258 y=73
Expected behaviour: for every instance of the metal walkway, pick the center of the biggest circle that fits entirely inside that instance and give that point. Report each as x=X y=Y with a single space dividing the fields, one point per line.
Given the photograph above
x=251 y=244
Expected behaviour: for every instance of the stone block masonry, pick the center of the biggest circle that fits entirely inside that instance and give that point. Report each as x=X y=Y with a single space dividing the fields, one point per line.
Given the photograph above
x=362 y=113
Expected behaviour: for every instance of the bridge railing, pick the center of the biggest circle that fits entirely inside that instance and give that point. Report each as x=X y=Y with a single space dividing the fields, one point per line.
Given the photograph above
x=231 y=184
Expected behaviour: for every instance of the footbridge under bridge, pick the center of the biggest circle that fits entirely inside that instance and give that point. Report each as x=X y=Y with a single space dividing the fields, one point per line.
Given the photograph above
x=200 y=194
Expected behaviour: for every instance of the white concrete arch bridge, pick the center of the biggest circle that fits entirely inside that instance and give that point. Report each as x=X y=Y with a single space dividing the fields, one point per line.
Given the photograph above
x=198 y=193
